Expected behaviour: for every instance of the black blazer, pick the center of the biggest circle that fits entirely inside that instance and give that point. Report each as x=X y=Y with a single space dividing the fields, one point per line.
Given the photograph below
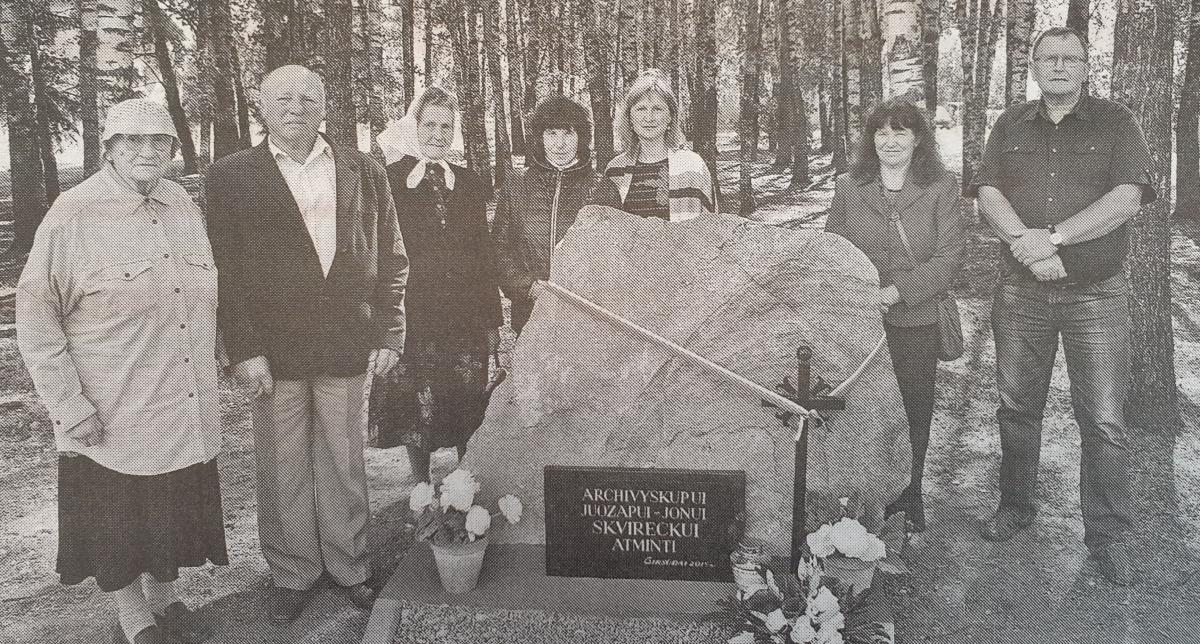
x=453 y=283
x=932 y=220
x=273 y=299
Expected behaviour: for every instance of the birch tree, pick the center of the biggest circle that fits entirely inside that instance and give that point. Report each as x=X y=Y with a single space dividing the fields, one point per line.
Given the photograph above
x=903 y=50
x=1018 y=37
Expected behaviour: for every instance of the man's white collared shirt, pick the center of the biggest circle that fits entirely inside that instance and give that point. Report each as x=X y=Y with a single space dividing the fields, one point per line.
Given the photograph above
x=314 y=187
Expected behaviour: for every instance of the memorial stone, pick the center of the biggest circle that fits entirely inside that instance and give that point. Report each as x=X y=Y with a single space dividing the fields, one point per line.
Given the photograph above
x=583 y=392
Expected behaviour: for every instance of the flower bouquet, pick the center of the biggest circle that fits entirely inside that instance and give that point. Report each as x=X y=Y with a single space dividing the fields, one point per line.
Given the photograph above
x=849 y=552
x=811 y=608
x=456 y=528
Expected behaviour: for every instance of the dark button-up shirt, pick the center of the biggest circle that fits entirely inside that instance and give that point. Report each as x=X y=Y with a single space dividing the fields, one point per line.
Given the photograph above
x=1050 y=171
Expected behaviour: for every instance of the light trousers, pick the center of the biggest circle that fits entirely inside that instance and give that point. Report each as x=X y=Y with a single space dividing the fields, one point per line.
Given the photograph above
x=312 y=484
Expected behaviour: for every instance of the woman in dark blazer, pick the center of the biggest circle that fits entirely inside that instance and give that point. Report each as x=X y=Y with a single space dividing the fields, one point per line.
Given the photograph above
x=898 y=178
x=453 y=303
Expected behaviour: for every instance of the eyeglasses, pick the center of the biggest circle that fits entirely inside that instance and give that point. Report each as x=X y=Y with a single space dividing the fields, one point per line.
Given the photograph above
x=159 y=143
x=1069 y=60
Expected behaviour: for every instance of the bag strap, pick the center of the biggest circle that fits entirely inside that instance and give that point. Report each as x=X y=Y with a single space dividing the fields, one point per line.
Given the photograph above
x=904 y=238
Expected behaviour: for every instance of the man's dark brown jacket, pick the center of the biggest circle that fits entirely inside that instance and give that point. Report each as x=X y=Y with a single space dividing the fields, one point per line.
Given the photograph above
x=273 y=299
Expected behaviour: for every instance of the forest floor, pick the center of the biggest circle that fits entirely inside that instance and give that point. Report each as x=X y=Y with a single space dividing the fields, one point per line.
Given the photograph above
x=1037 y=587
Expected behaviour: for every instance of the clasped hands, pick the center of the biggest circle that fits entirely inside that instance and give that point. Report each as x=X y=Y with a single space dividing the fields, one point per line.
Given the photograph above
x=1032 y=247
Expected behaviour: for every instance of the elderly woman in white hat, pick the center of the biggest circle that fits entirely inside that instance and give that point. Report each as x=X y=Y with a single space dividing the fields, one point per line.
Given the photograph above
x=116 y=322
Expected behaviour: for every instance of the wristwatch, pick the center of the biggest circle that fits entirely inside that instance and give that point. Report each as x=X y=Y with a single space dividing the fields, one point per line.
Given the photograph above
x=1055 y=236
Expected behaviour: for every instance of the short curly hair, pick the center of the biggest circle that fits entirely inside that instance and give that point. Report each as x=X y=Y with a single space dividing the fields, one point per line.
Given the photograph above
x=554 y=112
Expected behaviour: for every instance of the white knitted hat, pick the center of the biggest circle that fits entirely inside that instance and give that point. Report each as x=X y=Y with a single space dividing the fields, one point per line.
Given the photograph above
x=138 y=116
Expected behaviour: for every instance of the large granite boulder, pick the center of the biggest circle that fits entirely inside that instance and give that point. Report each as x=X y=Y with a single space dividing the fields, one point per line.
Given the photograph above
x=584 y=392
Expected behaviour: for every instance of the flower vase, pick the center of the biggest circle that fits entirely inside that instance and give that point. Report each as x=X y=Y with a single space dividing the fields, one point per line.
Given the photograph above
x=851 y=571
x=459 y=564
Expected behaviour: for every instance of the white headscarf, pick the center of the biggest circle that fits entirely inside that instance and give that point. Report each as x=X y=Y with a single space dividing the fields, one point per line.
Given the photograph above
x=399 y=139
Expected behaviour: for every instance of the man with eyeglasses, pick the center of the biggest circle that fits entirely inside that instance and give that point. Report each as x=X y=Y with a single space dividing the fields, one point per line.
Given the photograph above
x=1059 y=178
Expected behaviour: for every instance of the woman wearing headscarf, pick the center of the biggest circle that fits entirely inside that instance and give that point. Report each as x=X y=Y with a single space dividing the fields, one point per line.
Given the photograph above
x=538 y=206
x=116 y=322
x=655 y=175
x=452 y=299
x=900 y=206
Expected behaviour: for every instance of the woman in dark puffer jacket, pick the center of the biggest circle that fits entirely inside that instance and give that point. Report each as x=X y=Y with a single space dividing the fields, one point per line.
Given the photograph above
x=538 y=206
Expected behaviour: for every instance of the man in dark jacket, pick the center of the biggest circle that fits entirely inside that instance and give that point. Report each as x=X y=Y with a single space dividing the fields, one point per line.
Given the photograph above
x=536 y=209
x=311 y=276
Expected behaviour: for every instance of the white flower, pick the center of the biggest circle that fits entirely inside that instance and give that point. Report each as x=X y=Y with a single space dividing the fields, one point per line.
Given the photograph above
x=421 y=497
x=511 y=507
x=834 y=620
x=775 y=621
x=478 y=520
x=745 y=637
x=824 y=602
x=802 y=630
x=827 y=635
x=875 y=549
x=821 y=542
x=849 y=537
x=458 y=490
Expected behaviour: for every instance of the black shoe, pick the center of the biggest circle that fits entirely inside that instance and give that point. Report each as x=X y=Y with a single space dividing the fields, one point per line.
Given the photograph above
x=183 y=624
x=913 y=506
x=915 y=514
x=148 y=635
x=286 y=604
x=1113 y=562
x=361 y=595
x=1006 y=522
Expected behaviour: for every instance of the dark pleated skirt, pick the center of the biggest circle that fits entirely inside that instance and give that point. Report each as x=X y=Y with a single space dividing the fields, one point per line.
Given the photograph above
x=115 y=526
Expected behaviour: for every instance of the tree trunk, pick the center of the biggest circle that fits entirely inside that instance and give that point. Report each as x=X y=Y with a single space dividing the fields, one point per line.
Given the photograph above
x=89 y=98
x=839 y=91
x=872 y=55
x=26 y=173
x=205 y=155
x=627 y=29
x=408 y=22
x=852 y=68
x=593 y=17
x=931 y=33
x=980 y=34
x=513 y=50
x=461 y=20
x=1142 y=79
x=783 y=137
x=162 y=56
x=751 y=61
x=41 y=99
x=226 y=136
x=428 y=35
x=1079 y=14
x=374 y=76
x=704 y=126
x=491 y=35
x=903 y=50
x=1018 y=35
x=534 y=55
x=1187 y=169
x=341 y=119
x=826 y=124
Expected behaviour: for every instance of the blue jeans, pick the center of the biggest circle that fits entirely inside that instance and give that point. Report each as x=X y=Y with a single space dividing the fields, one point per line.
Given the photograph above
x=1093 y=320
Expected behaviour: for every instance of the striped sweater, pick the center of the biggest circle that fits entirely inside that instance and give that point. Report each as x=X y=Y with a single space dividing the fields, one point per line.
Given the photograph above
x=691 y=185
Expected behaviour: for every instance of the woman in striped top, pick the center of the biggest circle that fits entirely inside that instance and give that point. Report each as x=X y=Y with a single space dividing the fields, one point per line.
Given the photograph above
x=655 y=175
